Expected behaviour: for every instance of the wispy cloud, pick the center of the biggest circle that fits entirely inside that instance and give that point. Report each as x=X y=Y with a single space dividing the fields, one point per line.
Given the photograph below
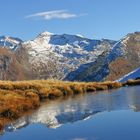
x=79 y=139
x=57 y=14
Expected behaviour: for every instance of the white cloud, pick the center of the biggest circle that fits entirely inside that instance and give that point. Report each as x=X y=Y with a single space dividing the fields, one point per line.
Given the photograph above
x=79 y=139
x=57 y=14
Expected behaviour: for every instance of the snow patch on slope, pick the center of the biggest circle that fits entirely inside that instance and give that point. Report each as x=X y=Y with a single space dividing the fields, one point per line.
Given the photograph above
x=10 y=42
x=118 y=49
x=132 y=75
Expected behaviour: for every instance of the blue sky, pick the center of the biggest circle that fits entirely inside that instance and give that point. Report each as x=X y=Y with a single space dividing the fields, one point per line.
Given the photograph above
x=92 y=18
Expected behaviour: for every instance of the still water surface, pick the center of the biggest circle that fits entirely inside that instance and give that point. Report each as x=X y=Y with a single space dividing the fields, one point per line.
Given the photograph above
x=92 y=116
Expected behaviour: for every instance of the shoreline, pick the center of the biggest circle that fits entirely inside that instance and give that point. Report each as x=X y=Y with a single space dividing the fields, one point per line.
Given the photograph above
x=19 y=97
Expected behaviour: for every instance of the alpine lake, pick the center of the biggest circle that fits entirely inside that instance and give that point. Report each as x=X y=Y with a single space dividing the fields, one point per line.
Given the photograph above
x=104 y=115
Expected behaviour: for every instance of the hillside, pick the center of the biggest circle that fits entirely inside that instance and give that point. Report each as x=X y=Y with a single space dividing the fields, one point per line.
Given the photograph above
x=10 y=68
x=132 y=75
x=121 y=59
x=54 y=56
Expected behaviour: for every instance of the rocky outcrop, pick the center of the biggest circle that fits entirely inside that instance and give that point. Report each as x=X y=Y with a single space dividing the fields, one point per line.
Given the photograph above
x=10 y=68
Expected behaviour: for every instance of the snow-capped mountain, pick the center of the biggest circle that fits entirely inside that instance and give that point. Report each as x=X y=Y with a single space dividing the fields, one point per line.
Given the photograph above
x=60 y=54
x=10 y=42
x=132 y=75
x=71 y=57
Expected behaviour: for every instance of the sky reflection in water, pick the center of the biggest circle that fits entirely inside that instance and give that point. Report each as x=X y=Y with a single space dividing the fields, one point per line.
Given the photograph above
x=85 y=117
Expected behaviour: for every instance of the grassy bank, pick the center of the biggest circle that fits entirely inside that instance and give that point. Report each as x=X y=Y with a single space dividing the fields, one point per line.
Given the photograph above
x=16 y=98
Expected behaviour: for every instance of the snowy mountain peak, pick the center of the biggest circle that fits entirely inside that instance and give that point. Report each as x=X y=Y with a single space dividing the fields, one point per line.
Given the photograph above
x=61 y=54
x=10 y=42
x=74 y=57
x=46 y=33
x=79 y=35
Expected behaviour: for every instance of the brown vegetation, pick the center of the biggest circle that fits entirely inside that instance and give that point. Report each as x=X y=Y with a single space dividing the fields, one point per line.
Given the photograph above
x=132 y=82
x=119 y=67
x=129 y=62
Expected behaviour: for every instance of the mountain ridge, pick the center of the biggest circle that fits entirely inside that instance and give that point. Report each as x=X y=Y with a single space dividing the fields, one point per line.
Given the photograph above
x=74 y=57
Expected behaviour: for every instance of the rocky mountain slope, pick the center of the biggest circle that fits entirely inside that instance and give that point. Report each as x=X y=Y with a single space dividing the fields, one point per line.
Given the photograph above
x=54 y=56
x=132 y=75
x=123 y=58
x=10 y=68
x=71 y=57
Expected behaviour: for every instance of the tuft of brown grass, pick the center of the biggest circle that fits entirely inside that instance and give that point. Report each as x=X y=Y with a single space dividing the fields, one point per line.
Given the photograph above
x=112 y=85
x=131 y=82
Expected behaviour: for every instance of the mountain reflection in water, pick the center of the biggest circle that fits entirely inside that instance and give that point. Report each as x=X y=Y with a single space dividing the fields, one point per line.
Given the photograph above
x=81 y=107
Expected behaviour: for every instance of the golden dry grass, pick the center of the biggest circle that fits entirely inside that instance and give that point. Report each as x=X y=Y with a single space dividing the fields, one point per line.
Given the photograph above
x=16 y=98
x=132 y=82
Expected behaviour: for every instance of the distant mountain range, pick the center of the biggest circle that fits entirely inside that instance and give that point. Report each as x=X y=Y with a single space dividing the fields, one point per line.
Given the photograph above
x=68 y=57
